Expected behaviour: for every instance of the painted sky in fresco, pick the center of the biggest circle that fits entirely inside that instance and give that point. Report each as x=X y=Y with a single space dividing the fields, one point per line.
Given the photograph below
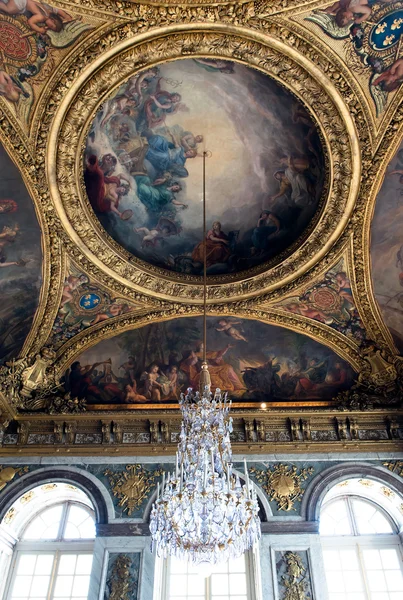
x=143 y=166
x=20 y=259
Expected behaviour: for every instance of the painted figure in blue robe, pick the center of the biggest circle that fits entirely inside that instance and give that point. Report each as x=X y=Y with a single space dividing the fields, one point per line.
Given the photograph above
x=167 y=156
x=156 y=197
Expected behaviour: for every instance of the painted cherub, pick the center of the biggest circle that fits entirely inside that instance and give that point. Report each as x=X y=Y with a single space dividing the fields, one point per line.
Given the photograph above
x=72 y=283
x=302 y=308
x=344 y=287
x=228 y=328
x=165 y=228
x=42 y=16
x=350 y=11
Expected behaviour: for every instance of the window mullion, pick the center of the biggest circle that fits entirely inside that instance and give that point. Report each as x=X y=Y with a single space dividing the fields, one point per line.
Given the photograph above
x=363 y=571
x=63 y=520
x=53 y=575
x=207 y=588
x=351 y=515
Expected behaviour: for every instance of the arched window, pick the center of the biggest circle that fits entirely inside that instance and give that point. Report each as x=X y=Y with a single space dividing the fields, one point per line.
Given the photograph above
x=360 y=522
x=53 y=529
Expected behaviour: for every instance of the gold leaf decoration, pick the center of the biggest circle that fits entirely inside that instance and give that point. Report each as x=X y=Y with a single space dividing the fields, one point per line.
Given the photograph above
x=293 y=580
x=132 y=486
x=395 y=466
x=7 y=474
x=283 y=484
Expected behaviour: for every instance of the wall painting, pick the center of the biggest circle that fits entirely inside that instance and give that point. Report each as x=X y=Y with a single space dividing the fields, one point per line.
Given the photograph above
x=253 y=361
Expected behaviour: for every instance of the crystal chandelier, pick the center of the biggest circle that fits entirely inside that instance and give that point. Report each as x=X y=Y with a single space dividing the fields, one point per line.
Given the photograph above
x=203 y=513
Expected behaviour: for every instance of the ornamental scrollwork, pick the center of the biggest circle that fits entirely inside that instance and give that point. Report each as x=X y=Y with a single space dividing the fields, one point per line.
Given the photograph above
x=380 y=381
x=293 y=581
x=7 y=474
x=282 y=483
x=120 y=584
x=132 y=486
x=31 y=384
x=395 y=467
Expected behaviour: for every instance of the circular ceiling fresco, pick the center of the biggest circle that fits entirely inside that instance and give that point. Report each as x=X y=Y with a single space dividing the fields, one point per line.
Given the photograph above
x=265 y=169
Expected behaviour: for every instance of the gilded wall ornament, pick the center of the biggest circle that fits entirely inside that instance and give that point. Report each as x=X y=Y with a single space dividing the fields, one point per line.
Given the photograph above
x=7 y=474
x=31 y=384
x=119 y=583
x=283 y=484
x=132 y=486
x=293 y=581
x=395 y=466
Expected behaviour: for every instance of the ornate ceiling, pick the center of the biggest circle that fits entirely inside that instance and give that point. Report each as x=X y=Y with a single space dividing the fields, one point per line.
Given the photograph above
x=106 y=110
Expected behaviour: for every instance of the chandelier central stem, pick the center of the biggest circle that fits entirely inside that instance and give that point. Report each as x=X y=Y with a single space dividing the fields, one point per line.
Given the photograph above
x=205 y=380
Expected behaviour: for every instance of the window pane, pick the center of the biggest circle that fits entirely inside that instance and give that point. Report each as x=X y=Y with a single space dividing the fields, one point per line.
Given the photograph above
x=22 y=585
x=394 y=581
x=46 y=525
x=64 y=584
x=376 y=581
x=26 y=564
x=369 y=519
x=349 y=560
x=237 y=565
x=81 y=585
x=223 y=581
x=84 y=564
x=371 y=559
x=332 y=560
x=44 y=564
x=178 y=585
x=219 y=584
x=389 y=558
x=67 y=564
x=79 y=524
x=237 y=584
x=334 y=519
x=39 y=586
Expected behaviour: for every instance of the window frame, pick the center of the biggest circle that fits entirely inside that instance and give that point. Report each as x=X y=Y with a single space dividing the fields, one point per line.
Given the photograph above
x=161 y=591
x=58 y=547
x=348 y=498
x=362 y=541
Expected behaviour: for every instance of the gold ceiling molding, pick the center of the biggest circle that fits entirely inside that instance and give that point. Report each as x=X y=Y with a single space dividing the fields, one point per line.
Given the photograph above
x=343 y=346
x=78 y=106
x=375 y=173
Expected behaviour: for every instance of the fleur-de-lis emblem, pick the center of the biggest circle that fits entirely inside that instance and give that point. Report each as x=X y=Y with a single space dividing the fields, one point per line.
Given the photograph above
x=388 y=40
x=397 y=23
x=381 y=28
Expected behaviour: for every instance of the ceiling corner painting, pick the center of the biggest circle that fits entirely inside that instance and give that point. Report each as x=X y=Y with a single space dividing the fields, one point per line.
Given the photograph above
x=369 y=33
x=387 y=248
x=34 y=37
x=253 y=361
x=265 y=170
x=20 y=259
